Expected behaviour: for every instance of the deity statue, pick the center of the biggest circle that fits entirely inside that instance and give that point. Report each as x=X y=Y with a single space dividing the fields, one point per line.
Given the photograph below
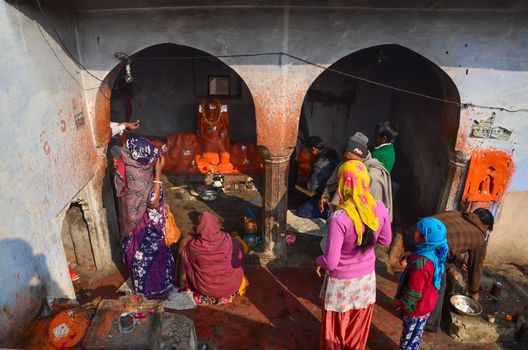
x=212 y=123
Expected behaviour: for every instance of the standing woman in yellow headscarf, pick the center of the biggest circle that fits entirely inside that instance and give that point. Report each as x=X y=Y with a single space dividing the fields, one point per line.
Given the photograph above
x=350 y=287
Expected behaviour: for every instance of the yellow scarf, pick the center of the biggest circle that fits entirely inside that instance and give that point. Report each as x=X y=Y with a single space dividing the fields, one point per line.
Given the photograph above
x=356 y=200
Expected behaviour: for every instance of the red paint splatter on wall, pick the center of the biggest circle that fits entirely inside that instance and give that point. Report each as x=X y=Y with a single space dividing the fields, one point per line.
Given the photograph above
x=47 y=148
x=62 y=125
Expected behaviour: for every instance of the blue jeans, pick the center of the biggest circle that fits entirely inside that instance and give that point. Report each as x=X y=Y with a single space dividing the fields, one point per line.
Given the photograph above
x=310 y=209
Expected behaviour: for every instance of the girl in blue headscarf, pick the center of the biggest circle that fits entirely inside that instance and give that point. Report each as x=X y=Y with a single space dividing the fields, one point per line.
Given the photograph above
x=420 y=282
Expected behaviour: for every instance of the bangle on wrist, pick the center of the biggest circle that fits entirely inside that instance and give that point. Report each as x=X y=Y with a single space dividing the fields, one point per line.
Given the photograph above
x=157 y=182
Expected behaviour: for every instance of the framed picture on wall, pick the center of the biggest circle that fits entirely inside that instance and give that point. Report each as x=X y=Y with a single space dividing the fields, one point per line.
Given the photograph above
x=218 y=86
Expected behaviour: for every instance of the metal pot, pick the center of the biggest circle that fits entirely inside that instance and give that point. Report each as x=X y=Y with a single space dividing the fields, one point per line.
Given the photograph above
x=251 y=240
x=250 y=226
x=209 y=195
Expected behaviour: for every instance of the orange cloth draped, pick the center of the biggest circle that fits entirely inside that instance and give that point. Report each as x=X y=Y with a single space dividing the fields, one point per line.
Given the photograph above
x=213 y=126
x=245 y=157
x=209 y=149
x=212 y=123
x=183 y=149
x=304 y=163
x=345 y=330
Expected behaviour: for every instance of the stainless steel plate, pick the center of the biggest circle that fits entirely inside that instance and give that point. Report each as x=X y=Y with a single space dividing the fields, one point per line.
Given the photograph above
x=465 y=305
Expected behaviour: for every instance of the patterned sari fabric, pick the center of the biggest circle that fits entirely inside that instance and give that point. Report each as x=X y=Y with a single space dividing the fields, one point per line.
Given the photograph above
x=149 y=260
x=205 y=300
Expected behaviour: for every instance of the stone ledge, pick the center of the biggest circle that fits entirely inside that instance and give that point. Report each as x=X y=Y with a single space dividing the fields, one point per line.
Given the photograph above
x=474 y=329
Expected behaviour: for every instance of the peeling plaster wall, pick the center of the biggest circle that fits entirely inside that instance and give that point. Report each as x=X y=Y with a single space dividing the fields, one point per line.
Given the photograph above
x=45 y=160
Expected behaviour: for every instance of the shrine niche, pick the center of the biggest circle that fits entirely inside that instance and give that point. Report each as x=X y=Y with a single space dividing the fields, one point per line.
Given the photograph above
x=488 y=175
x=210 y=148
x=200 y=116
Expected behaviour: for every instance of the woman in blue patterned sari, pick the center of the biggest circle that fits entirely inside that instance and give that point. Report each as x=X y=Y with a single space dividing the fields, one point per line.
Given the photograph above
x=142 y=218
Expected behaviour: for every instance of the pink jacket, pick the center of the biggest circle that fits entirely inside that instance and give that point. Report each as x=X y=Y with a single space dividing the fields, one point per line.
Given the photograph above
x=342 y=257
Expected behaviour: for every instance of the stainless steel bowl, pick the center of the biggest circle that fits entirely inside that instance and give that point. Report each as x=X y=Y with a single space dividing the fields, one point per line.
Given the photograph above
x=209 y=195
x=465 y=305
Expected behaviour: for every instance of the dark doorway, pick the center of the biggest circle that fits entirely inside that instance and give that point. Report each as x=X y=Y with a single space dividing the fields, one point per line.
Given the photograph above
x=170 y=81
x=336 y=106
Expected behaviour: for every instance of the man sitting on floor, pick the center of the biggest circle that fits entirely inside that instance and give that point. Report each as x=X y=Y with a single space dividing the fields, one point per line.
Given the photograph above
x=325 y=162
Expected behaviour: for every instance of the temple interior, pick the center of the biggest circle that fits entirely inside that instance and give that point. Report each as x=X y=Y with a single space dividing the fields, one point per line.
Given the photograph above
x=196 y=104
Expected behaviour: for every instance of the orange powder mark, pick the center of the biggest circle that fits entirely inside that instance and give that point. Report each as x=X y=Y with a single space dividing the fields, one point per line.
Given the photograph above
x=488 y=175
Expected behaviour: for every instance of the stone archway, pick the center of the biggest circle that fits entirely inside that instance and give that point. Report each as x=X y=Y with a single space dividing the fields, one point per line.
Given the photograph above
x=176 y=70
x=336 y=106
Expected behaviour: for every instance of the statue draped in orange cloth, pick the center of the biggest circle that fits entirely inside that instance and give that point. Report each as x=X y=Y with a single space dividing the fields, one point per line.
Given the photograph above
x=212 y=124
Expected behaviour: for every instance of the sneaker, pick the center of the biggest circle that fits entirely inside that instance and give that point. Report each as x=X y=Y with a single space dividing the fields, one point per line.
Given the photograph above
x=73 y=275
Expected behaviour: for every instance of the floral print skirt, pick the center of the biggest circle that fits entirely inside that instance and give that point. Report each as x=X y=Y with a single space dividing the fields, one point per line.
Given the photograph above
x=150 y=263
x=342 y=295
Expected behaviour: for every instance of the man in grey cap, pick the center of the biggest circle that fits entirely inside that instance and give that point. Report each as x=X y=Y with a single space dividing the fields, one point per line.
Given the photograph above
x=380 y=180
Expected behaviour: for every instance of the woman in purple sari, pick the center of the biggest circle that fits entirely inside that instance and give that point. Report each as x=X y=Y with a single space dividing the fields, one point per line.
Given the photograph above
x=142 y=218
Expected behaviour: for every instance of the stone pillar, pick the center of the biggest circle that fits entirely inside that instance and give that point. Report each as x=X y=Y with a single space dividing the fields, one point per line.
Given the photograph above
x=274 y=210
x=457 y=171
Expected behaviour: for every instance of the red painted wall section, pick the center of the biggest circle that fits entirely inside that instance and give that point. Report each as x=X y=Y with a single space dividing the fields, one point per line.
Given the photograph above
x=278 y=100
x=102 y=131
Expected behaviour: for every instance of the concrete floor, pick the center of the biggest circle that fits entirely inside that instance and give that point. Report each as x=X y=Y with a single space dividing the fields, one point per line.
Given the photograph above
x=281 y=310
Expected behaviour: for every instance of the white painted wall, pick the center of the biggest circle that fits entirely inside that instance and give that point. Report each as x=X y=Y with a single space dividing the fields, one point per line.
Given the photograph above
x=44 y=161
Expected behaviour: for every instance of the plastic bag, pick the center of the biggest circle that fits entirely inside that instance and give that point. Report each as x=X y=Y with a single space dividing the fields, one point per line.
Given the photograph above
x=172 y=232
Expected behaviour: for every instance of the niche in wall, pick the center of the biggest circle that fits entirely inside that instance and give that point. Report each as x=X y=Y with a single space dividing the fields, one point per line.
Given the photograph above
x=75 y=236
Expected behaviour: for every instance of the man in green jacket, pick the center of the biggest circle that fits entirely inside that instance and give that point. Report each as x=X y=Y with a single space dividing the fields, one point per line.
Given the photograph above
x=383 y=151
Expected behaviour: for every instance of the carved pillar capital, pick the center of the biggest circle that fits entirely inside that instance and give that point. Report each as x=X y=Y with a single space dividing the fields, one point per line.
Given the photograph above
x=275 y=153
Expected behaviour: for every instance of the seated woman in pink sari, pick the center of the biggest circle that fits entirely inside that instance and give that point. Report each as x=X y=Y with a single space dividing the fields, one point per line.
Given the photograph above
x=213 y=262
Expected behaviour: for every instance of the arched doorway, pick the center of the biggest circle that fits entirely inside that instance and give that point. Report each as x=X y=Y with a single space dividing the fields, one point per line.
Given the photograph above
x=170 y=81
x=336 y=106
x=170 y=88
